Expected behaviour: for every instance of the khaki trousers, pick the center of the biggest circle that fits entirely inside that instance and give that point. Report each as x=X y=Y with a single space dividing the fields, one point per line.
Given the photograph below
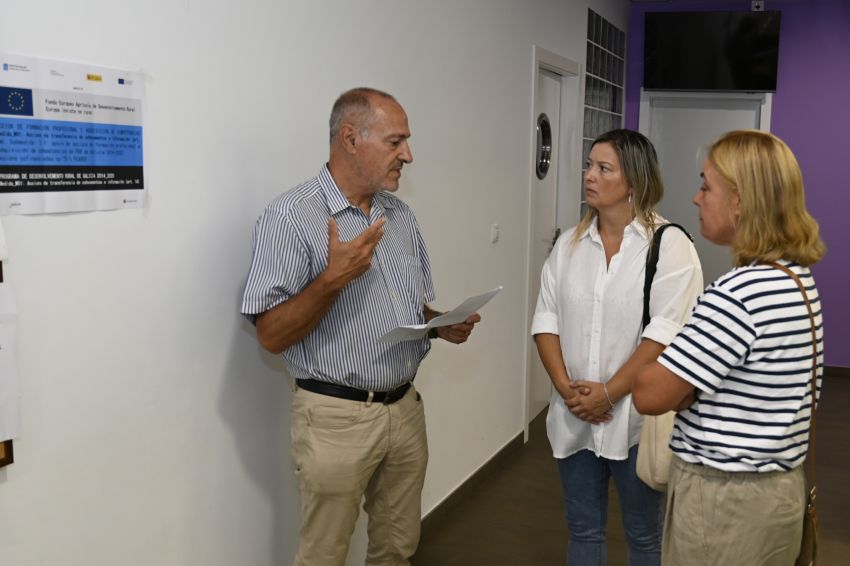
x=717 y=518
x=346 y=450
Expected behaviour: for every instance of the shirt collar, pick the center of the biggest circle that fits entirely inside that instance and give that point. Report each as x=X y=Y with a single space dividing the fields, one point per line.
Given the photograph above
x=336 y=200
x=634 y=226
x=592 y=232
x=333 y=196
x=638 y=228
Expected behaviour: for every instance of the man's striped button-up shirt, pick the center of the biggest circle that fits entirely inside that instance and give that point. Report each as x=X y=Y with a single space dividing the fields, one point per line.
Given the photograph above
x=290 y=249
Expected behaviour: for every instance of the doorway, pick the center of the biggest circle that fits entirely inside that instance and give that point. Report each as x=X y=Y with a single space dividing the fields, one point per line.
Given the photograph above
x=681 y=125
x=554 y=191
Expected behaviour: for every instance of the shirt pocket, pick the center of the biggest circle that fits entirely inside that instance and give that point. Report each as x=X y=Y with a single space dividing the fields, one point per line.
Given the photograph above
x=410 y=283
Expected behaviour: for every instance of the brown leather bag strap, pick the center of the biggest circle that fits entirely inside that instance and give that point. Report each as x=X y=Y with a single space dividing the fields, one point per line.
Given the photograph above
x=810 y=457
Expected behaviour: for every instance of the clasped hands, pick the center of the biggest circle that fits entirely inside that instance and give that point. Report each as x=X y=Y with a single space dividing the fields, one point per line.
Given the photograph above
x=589 y=402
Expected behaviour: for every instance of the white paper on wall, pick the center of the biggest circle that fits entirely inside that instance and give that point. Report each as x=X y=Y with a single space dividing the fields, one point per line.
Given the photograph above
x=70 y=137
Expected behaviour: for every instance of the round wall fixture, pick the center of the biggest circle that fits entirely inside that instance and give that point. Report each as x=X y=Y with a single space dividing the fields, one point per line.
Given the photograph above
x=544 y=145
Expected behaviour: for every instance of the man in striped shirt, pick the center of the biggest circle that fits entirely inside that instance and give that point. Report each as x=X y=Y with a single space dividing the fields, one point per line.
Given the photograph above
x=338 y=261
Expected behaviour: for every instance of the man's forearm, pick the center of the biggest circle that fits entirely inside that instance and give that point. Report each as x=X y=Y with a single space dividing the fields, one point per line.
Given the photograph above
x=289 y=322
x=430 y=313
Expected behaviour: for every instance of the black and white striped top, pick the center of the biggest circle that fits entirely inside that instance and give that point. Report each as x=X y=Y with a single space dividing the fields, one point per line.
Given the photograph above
x=291 y=250
x=748 y=351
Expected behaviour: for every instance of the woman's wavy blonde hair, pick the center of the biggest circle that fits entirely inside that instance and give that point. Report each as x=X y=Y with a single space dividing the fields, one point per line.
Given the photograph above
x=639 y=164
x=773 y=222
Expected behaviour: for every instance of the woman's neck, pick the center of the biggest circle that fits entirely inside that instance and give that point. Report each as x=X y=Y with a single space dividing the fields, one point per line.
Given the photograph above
x=613 y=222
x=612 y=225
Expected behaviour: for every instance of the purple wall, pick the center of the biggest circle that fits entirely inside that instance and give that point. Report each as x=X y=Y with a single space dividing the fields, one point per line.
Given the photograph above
x=811 y=113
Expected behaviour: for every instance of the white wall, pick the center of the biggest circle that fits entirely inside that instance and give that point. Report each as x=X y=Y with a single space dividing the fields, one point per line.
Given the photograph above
x=153 y=429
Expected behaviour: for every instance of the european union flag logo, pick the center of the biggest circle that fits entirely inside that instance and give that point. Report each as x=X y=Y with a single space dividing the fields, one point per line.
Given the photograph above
x=15 y=101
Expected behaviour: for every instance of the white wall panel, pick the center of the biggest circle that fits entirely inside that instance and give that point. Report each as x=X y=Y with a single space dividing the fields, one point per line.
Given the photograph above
x=153 y=430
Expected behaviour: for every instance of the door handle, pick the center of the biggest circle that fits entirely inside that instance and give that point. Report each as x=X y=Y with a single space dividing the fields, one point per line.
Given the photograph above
x=554 y=239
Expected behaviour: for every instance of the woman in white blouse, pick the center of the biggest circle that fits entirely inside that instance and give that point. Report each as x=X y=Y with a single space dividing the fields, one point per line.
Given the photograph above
x=587 y=327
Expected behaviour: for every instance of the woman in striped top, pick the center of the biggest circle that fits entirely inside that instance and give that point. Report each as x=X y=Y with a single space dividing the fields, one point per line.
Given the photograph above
x=740 y=371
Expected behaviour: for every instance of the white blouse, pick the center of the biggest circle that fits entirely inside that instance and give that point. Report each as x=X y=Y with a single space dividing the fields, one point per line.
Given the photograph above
x=596 y=311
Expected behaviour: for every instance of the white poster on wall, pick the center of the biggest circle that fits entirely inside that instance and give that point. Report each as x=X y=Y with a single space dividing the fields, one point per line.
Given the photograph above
x=70 y=137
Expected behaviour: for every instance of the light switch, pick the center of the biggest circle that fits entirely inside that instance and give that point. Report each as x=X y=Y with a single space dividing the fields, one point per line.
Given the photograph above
x=494 y=233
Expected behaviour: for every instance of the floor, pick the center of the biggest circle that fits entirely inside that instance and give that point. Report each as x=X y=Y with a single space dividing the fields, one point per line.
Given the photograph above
x=514 y=516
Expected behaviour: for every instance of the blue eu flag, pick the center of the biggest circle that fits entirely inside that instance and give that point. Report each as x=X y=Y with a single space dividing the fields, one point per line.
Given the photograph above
x=15 y=101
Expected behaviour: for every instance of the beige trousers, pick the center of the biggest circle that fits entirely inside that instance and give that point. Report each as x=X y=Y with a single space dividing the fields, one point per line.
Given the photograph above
x=716 y=518
x=346 y=450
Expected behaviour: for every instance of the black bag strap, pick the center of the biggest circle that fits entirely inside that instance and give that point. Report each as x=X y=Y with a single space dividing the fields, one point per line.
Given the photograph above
x=652 y=265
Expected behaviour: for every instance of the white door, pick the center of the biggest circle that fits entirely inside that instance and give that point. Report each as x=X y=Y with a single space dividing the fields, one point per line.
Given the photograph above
x=554 y=196
x=681 y=126
x=544 y=199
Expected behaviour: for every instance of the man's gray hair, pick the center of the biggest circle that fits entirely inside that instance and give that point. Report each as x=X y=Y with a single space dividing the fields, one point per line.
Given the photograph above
x=353 y=106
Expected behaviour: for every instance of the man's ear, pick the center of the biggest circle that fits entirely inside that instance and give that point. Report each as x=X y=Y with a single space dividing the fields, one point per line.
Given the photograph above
x=350 y=138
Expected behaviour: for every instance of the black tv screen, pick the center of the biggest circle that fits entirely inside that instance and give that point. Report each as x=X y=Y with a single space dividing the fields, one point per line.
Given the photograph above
x=705 y=51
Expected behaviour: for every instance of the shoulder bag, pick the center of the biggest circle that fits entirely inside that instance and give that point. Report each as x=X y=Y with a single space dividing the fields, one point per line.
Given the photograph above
x=654 y=454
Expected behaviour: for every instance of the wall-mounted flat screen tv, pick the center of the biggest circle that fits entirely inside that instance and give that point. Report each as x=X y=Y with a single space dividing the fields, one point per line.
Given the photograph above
x=706 y=51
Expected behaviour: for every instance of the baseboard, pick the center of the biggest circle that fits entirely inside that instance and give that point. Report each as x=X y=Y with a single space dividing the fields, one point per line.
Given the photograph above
x=836 y=371
x=461 y=493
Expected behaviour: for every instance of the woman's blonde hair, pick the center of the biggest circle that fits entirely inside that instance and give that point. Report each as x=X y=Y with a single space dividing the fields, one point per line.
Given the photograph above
x=639 y=164
x=773 y=222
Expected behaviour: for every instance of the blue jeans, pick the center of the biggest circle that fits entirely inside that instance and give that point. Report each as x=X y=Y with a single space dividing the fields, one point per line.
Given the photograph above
x=584 y=479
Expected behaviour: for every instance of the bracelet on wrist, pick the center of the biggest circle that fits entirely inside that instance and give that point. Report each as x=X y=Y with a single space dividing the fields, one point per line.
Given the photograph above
x=605 y=389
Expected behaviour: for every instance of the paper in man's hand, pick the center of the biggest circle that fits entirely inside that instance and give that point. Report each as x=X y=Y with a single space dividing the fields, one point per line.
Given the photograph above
x=457 y=315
